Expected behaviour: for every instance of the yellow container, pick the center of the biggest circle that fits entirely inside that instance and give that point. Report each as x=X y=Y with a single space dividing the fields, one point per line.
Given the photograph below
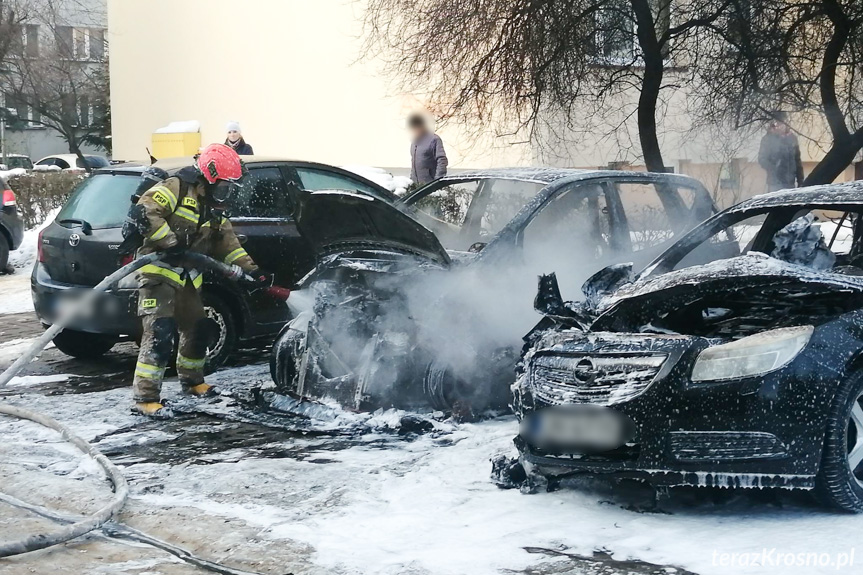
x=175 y=145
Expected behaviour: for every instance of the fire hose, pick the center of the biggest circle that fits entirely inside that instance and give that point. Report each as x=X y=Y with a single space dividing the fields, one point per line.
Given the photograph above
x=78 y=526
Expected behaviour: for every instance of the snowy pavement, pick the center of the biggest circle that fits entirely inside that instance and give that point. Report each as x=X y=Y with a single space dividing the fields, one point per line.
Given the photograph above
x=344 y=493
x=15 y=293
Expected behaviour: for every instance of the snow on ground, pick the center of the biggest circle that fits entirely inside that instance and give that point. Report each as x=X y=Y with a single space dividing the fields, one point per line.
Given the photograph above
x=15 y=293
x=395 y=184
x=372 y=501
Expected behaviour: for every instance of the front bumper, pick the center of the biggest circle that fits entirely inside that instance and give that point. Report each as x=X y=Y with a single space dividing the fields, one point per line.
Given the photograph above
x=758 y=432
x=114 y=313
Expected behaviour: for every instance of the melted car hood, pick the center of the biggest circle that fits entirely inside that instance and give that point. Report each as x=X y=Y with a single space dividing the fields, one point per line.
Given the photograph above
x=336 y=221
x=754 y=278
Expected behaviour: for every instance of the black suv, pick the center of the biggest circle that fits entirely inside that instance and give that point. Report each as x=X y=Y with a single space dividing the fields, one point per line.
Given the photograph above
x=11 y=224
x=80 y=248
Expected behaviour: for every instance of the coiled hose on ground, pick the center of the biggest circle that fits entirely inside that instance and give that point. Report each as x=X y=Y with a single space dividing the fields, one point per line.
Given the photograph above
x=78 y=526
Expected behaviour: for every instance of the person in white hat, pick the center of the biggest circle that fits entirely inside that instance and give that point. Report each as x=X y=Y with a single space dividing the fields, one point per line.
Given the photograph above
x=236 y=141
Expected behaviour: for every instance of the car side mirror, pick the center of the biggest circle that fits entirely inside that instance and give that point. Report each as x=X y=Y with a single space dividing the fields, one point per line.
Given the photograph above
x=242 y=238
x=477 y=247
x=605 y=282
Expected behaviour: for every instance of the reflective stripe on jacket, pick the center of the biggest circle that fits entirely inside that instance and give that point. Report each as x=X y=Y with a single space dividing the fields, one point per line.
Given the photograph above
x=179 y=216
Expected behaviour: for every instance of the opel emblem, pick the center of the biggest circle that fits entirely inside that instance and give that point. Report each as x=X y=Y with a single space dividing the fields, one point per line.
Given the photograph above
x=74 y=240
x=585 y=372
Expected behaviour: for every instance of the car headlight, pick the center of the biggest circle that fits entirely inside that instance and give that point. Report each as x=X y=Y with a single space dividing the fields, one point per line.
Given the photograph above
x=754 y=355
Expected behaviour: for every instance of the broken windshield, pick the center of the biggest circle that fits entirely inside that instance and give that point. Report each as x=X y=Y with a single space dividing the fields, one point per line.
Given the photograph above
x=819 y=237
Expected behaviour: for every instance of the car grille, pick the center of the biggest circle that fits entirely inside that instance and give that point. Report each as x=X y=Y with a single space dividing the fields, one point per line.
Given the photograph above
x=598 y=379
x=725 y=445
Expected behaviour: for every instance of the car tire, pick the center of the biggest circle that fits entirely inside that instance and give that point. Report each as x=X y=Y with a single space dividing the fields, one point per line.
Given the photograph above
x=4 y=253
x=83 y=345
x=289 y=345
x=224 y=344
x=837 y=484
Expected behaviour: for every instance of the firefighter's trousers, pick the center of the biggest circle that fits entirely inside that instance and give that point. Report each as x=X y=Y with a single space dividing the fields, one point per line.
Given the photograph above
x=165 y=309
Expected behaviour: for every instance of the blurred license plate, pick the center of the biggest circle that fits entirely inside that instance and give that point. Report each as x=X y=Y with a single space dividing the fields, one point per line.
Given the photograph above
x=582 y=428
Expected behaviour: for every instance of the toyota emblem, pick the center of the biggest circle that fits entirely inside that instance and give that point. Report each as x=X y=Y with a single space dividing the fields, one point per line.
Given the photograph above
x=585 y=372
x=74 y=240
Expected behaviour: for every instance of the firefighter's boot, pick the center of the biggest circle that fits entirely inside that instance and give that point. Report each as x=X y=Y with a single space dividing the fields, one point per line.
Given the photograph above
x=152 y=409
x=200 y=390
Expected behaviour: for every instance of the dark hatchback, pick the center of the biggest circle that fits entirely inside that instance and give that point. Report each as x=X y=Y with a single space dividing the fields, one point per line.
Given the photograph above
x=733 y=360
x=79 y=249
x=11 y=224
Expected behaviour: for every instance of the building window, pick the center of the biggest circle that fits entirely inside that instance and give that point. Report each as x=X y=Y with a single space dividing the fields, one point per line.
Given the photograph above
x=19 y=115
x=85 y=112
x=87 y=44
x=25 y=41
x=616 y=40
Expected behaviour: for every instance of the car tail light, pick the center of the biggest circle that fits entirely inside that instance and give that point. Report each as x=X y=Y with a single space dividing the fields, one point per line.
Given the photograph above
x=127 y=259
x=8 y=198
x=39 y=250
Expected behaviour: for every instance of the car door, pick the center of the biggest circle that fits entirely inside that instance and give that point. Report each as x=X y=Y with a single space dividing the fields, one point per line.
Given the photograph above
x=262 y=212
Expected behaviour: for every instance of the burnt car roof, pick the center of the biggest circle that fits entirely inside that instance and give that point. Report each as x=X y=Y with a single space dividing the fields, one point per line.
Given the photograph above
x=551 y=175
x=847 y=193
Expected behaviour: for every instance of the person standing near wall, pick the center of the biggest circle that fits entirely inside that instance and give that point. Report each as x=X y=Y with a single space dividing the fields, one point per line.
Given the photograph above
x=428 y=158
x=236 y=141
x=779 y=155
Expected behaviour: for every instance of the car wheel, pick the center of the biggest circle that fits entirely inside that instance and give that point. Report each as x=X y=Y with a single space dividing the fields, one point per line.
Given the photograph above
x=4 y=253
x=83 y=345
x=287 y=351
x=224 y=338
x=840 y=480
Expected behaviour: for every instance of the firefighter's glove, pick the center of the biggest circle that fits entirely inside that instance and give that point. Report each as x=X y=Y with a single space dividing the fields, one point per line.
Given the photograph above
x=260 y=279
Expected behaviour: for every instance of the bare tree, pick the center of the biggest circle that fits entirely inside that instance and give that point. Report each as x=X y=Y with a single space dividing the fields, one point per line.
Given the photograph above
x=13 y=14
x=517 y=63
x=64 y=82
x=802 y=56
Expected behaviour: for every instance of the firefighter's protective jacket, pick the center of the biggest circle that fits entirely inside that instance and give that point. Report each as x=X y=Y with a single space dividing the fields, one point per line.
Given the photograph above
x=177 y=214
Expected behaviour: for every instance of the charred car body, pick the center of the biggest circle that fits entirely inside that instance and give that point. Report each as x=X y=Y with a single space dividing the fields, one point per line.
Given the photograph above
x=417 y=303
x=733 y=360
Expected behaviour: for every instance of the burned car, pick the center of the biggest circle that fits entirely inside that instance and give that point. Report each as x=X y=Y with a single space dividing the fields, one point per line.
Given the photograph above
x=732 y=360
x=422 y=304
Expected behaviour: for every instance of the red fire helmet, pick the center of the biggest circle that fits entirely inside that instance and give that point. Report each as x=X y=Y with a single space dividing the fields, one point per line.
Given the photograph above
x=220 y=162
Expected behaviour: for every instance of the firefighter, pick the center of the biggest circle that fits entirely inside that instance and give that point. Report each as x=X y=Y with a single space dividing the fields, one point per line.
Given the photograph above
x=183 y=213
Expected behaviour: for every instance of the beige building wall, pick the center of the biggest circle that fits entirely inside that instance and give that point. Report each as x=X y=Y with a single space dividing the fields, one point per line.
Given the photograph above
x=287 y=70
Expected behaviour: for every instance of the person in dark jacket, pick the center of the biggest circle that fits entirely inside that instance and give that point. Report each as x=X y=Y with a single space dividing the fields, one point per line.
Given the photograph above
x=779 y=155
x=236 y=141
x=428 y=158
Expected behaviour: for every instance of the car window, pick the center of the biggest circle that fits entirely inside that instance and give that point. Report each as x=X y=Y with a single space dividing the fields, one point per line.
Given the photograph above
x=92 y=162
x=18 y=162
x=102 y=200
x=314 y=179
x=63 y=164
x=576 y=222
x=730 y=241
x=449 y=205
x=473 y=211
x=264 y=194
x=656 y=212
